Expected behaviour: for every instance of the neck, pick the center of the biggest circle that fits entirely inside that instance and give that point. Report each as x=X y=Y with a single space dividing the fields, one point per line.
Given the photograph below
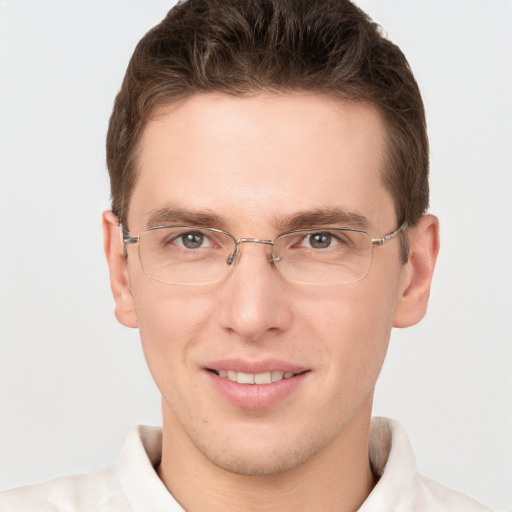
x=338 y=478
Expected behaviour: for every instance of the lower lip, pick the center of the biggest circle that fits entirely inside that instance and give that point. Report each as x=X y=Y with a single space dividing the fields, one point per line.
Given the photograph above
x=255 y=396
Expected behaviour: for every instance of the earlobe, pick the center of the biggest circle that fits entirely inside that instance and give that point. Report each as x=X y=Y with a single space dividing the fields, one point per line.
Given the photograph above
x=119 y=283
x=417 y=273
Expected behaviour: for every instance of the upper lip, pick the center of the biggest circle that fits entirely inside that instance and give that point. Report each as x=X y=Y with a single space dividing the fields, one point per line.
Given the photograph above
x=260 y=366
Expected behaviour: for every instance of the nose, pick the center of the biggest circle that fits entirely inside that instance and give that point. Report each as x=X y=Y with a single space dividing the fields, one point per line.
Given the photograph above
x=253 y=299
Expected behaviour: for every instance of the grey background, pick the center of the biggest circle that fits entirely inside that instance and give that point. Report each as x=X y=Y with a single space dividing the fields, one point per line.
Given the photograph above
x=73 y=381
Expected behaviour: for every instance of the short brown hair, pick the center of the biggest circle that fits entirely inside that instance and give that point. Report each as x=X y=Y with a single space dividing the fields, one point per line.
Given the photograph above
x=245 y=46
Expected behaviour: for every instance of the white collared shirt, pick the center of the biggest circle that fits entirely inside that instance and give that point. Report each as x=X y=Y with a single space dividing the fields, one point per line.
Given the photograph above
x=132 y=484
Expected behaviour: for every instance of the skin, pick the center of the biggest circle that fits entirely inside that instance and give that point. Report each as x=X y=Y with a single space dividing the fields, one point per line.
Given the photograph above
x=253 y=161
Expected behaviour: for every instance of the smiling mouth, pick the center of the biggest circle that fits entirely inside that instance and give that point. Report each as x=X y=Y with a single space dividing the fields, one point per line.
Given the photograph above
x=254 y=378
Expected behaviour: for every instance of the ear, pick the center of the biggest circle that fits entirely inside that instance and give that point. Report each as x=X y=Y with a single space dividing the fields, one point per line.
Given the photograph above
x=121 y=290
x=417 y=272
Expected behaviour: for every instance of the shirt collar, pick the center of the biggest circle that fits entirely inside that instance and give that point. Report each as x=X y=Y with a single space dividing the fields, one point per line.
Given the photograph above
x=390 y=455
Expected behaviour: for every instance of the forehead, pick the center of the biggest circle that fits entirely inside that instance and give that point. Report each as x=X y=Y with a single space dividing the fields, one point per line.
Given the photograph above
x=260 y=158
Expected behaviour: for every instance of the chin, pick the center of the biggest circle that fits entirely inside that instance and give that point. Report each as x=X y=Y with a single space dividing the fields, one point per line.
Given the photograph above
x=261 y=457
x=250 y=465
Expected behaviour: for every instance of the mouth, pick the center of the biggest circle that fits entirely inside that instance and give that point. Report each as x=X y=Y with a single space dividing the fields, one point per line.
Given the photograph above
x=256 y=384
x=263 y=378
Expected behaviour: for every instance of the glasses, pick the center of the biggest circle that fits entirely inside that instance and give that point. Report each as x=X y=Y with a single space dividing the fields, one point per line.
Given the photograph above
x=190 y=255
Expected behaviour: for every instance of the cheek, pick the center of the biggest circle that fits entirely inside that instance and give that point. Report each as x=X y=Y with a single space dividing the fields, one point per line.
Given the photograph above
x=167 y=314
x=362 y=312
x=352 y=330
x=357 y=330
x=170 y=322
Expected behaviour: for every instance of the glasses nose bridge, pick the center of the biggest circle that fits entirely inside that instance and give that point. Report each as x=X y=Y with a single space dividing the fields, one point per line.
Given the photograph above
x=235 y=256
x=253 y=240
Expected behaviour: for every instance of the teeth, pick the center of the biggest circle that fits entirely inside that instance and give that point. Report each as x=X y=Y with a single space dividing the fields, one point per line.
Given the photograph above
x=255 y=378
x=276 y=376
x=263 y=378
x=245 y=378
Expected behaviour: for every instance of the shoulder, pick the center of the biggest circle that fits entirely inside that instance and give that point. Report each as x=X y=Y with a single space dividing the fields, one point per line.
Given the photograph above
x=400 y=488
x=438 y=497
x=122 y=487
x=98 y=491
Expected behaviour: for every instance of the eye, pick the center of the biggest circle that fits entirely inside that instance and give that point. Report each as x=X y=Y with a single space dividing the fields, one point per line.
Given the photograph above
x=321 y=240
x=191 y=240
x=188 y=240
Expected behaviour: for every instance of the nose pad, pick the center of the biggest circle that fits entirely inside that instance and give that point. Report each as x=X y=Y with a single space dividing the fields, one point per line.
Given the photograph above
x=233 y=257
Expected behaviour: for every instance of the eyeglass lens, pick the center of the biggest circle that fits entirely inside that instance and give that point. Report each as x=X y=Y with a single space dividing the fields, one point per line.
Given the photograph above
x=185 y=255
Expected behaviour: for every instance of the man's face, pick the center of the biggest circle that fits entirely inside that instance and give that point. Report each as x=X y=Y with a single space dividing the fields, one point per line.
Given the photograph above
x=254 y=162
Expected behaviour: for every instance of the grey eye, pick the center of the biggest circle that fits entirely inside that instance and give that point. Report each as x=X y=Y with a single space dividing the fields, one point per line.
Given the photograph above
x=192 y=240
x=320 y=240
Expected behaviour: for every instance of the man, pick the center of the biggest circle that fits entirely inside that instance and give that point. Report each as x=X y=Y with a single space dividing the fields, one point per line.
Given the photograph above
x=269 y=166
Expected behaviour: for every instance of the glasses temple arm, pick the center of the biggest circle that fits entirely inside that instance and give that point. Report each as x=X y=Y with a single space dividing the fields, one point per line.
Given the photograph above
x=387 y=238
x=125 y=236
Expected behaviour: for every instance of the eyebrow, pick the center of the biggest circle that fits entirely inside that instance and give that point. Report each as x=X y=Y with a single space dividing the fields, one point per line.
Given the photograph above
x=170 y=215
x=333 y=216
x=329 y=216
